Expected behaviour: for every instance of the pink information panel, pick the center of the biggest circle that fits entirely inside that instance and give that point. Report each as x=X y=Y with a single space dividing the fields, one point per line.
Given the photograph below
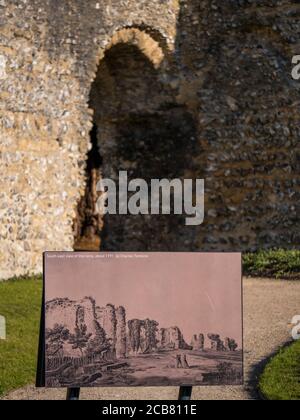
x=142 y=319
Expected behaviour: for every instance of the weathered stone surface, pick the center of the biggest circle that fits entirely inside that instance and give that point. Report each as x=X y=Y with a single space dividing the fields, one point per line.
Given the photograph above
x=178 y=89
x=2 y=67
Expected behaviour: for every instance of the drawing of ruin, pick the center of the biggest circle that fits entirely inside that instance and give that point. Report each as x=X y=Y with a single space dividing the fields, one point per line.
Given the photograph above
x=89 y=342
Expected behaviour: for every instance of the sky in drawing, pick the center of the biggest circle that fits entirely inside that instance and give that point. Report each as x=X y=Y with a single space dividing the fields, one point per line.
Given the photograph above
x=198 y=292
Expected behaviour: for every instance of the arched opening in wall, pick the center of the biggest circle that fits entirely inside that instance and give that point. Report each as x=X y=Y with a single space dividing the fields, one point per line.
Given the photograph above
x=138 y=128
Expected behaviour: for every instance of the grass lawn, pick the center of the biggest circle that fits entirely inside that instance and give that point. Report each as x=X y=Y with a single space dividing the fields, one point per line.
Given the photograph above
x=281 y=378
x=20 y=303
x=275 y=263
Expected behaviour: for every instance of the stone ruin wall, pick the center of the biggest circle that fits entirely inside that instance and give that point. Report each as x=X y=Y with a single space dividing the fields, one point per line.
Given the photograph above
x=226 y=64
x=172 y=338
x=112 y=319
x=63 y=311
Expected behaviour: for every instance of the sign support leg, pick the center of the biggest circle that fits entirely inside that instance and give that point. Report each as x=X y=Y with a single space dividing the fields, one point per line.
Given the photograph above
x=185 y=393
x=73 y=394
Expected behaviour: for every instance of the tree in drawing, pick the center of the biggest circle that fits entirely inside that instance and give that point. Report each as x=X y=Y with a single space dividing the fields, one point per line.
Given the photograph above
x=99 y=344
x=80 y=338
x=55 y=339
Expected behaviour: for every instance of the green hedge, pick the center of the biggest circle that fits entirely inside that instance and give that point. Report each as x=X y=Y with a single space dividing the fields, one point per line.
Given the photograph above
x=274 y=263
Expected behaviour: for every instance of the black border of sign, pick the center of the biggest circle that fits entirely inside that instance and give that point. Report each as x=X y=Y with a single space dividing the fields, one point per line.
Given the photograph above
x=41 y=371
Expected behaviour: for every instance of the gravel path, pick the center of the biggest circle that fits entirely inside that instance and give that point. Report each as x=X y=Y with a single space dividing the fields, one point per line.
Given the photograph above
x=269 y=307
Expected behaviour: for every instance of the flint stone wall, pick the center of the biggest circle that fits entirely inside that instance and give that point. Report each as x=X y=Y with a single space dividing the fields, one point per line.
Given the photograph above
x=225 y=63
